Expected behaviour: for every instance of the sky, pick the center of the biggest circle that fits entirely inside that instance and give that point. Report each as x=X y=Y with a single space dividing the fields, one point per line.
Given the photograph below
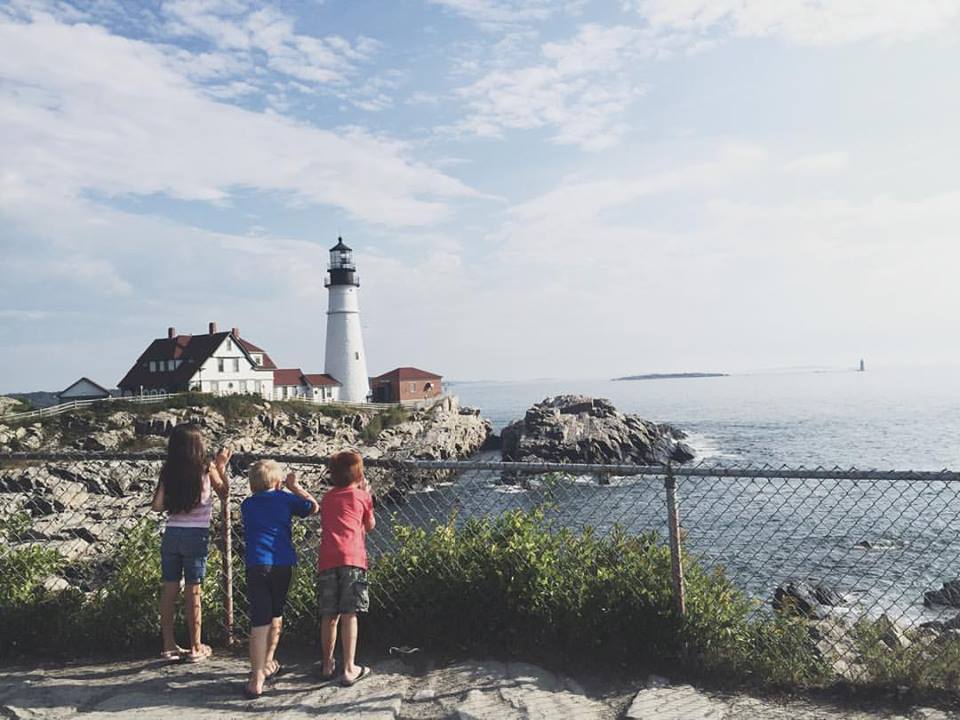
x=539 y=188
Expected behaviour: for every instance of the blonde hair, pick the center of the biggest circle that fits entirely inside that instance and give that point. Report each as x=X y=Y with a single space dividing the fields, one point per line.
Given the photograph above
x=265 y=475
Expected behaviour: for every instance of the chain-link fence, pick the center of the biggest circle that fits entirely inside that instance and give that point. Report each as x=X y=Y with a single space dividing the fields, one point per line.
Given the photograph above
x=786 y=574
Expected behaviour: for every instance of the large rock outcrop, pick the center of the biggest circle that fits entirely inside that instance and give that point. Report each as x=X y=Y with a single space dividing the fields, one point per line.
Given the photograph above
x=576 y=428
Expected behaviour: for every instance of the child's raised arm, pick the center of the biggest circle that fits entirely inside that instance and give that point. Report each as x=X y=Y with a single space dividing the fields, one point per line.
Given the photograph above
x=218 y=473
x=294 y=487
x=157 y=503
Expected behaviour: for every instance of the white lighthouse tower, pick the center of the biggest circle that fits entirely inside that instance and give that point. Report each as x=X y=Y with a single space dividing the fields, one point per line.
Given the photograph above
x=345 y=358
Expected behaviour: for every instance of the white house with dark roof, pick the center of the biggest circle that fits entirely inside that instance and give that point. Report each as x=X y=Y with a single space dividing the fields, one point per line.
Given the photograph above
x=222 y=363
x=83 y=389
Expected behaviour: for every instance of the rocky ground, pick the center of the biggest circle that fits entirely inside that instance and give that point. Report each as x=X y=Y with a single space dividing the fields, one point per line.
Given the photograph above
x=463 y=691
x=576 y=428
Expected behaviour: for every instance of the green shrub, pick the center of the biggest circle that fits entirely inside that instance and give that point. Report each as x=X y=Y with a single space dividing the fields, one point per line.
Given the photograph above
x=394 y=415
x=517 y=584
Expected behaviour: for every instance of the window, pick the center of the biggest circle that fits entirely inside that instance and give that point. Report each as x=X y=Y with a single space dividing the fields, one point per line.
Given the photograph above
x=258 y=360
x=229 y=345
x=236 y=364
x=413 y=387
x=214 y=387
x=219 y=364
x=357 y=355
x=243 y=386
x=153 y=366
x=171 y=365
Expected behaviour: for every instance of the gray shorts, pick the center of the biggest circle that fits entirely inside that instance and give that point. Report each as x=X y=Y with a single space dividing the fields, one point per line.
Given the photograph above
x=343 y=590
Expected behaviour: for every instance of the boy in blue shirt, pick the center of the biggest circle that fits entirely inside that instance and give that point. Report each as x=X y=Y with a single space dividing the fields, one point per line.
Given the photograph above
x=270 y=558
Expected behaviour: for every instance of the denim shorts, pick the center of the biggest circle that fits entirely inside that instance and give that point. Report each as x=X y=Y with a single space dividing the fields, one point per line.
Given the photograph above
x=343 y=590
x=183 y=554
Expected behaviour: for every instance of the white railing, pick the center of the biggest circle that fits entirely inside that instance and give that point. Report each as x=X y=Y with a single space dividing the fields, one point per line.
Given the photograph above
x=76 y=404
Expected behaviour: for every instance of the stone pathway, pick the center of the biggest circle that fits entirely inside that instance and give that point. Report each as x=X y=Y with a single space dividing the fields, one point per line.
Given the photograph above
x=464 y=691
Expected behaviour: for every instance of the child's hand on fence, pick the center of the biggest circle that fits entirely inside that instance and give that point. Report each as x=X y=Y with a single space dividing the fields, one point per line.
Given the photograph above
x=222 y=458
x=291 y=480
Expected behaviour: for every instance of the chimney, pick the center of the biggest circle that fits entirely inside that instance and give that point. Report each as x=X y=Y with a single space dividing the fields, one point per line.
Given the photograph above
x=171 y=332
x=235 y=332
x=213 y=328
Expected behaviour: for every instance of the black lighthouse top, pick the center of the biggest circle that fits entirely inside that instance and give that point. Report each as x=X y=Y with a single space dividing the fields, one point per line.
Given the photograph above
x=342 y=270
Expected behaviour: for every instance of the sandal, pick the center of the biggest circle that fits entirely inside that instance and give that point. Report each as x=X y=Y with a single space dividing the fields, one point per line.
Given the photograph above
x=250 y=695
x=271 y=677
x=194 y=657
x=333 y=673
x=364 y=672
x=172 y=655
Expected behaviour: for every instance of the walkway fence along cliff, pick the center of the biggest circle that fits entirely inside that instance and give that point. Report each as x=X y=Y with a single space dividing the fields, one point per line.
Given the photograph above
x=864 y=562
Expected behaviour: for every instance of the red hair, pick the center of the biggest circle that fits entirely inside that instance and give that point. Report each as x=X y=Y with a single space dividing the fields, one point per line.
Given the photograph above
x=346 y=468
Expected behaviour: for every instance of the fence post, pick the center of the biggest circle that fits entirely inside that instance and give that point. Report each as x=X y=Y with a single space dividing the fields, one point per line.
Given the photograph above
x=227 y=567
x=673 y=527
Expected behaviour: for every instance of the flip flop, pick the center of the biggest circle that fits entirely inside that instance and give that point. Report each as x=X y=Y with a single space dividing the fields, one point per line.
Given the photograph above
x=191 y=657
x=364 y=672
x=172 y=655
x=333 y=673
x=250 y=695
x=275 y=674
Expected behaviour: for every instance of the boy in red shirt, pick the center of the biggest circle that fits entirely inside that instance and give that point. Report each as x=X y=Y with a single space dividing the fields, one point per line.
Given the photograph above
x=346 y=514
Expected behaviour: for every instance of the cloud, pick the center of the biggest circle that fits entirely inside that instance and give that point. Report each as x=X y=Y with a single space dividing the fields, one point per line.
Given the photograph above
x=580 y=89
x=244 y=29
x=85 y=111
x=819 y=164
x=805 y=22
x=497 y=13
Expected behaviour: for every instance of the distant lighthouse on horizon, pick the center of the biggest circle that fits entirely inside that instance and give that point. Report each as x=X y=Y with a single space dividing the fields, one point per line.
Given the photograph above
x=345 y=358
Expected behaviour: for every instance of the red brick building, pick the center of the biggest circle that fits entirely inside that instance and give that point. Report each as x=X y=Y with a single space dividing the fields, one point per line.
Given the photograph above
x=405 y=383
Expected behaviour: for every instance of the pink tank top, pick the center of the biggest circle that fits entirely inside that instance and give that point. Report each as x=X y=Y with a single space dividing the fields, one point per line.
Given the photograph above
x=200 y=516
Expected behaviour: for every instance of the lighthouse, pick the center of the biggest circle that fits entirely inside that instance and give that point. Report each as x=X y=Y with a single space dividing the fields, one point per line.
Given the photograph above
x=345 y=359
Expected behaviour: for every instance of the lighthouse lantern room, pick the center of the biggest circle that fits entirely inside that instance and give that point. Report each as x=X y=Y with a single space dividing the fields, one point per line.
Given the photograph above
x=345 y=357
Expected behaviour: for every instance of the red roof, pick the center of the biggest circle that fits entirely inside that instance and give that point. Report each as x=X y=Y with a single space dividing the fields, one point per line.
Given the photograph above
x=407 y=373
x=295 y=376
x=287 y=376
x=318 y=380
x=268 y=363
x=192 y=350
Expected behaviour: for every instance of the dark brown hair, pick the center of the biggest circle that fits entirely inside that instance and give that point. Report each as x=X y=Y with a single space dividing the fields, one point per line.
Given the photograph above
x=183 y=471
x=346 y=468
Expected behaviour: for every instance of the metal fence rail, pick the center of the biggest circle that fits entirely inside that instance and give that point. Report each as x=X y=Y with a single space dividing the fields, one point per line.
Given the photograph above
x=862 y=547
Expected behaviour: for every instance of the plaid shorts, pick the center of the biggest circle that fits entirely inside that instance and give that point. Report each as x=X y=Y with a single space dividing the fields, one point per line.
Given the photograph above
x=343 y=590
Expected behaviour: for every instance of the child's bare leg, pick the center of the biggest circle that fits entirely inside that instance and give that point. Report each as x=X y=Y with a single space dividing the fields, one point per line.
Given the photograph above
x=273 y=639
x=259 y=640
x=168 y=608
x=348 y=641
x=194 y=613
x=328 y=640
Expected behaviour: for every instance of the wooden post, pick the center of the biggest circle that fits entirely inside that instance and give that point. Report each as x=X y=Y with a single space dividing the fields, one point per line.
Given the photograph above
x=673 y=527
x=226 y=531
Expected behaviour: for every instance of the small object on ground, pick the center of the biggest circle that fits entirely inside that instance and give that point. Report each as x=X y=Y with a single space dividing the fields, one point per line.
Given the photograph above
x=413 y=657
x=278 y=671
x=172 y=655
x=364 y=672
x=198 y=656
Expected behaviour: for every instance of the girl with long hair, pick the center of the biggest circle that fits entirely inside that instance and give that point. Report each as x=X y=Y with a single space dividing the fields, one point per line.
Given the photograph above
x=185 y=490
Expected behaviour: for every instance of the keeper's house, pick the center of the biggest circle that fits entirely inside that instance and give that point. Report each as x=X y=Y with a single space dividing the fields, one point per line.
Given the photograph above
x=222 y=363
x=405 y=384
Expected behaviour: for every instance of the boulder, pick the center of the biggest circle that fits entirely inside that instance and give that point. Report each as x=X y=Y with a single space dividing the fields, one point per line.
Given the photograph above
x=577 y=428
x=949 y=595
x=811 y=599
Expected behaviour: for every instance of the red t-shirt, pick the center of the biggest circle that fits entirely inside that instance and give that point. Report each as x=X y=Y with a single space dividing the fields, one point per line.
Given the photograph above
x=343 y=512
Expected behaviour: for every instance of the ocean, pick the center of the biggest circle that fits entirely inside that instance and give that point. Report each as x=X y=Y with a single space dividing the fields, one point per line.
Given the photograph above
x=766 y=531
x=887 y=419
